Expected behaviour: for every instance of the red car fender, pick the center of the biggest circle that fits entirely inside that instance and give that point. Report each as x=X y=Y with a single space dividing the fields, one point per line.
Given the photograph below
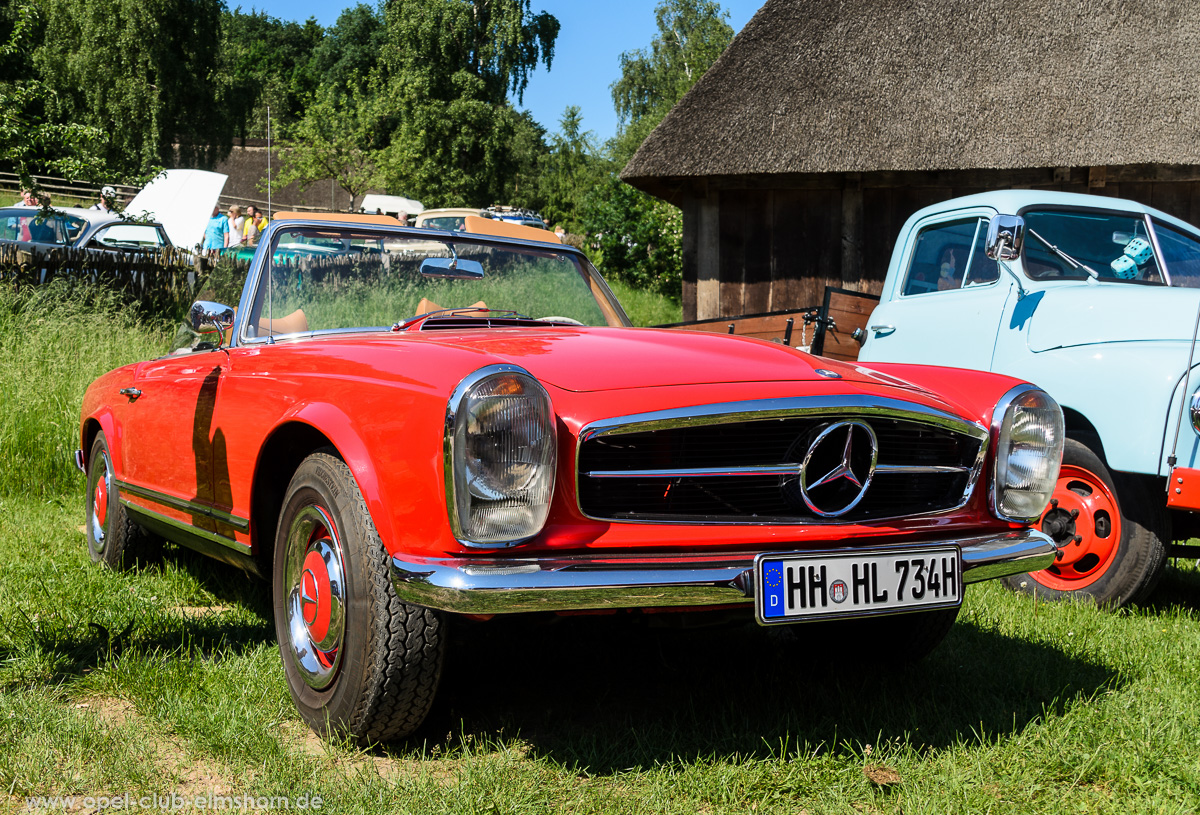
x=342 y=432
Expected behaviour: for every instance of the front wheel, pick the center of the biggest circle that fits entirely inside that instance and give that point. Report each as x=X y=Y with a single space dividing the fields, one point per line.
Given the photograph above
x=1112 y=535
x=359 y=663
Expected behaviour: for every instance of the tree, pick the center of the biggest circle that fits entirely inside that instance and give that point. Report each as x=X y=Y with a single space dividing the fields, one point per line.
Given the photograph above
x=640 y=235
x=29 y=141
x=571 y=170
x=348 y=54
x=337 y=138
x=144 y=71
x=450 y=65
x=267 y=63
x=692 y=34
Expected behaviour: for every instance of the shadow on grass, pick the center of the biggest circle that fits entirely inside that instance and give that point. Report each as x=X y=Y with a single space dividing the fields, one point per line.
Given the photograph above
x=1178 y=590
x=609 y=695
x=65 y=646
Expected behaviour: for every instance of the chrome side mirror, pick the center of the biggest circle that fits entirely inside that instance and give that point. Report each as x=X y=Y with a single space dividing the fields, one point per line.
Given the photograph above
x=208 y=316
x=1005 y=237
x=1195 y=412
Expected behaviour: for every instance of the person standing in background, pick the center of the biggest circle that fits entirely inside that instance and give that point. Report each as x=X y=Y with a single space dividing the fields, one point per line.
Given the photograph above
x=108 y=197
x=236 y=224
x=216 y=234
x=255 y=224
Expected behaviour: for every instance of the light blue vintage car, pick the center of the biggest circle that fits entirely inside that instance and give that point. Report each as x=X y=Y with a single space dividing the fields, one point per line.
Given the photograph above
x=1093 y=299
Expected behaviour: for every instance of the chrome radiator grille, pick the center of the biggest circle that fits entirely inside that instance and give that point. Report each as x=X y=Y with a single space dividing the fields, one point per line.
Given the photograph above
x=849 y=459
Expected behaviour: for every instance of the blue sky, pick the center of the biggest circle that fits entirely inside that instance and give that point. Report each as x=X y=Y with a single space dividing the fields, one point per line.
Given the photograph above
x=585 y=63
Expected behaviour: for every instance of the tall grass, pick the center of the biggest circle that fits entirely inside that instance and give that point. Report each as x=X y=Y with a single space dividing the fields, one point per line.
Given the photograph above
x=646 y=307
x=54 y=340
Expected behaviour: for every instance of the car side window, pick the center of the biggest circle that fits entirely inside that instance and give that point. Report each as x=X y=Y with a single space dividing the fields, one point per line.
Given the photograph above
x=129 y=236
x=1181 y=254
x=950 y=256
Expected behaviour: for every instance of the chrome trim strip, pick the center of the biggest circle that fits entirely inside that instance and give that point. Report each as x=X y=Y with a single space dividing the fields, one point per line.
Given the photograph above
x=833 y=406
x=782 y=408
x=476 y=585
x=230 y=543
x=778 y=469
x=240 y=524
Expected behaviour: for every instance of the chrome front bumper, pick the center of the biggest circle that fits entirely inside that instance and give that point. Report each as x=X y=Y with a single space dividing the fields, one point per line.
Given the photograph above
x=474 y=585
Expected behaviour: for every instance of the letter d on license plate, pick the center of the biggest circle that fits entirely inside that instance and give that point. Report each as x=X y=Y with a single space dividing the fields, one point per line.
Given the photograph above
x=799 y=586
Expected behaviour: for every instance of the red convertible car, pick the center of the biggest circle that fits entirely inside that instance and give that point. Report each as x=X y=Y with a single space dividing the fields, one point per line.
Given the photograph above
x=398 y=427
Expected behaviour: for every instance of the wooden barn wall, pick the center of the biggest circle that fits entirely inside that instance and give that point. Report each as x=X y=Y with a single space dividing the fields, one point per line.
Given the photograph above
x=752 y=245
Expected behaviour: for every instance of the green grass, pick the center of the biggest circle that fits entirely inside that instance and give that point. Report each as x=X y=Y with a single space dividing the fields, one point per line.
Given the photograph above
x=167 y=680
x=646 y=307
x=53 y=342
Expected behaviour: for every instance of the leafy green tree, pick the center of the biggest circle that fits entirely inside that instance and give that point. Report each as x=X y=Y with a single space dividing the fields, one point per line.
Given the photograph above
x=339 y=138
x=691 y=35
x=450 y=65
x=348 y=54
x=640 y=236
x=143 y=71
x=267 y=63
x=30 y=142
x=573 y=167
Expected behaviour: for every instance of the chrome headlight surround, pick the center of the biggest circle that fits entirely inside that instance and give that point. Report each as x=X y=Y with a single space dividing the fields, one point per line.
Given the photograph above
x=500 y=451
x=1028 y=437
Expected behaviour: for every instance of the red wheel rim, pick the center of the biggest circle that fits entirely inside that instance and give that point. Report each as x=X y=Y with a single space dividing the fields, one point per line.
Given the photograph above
x=100 y=500
x=1088 y=541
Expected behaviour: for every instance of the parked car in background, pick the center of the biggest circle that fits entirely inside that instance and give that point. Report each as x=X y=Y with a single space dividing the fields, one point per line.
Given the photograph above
x=40 y=230
x=1092 y=298
x=449 y=219
x=456 y=426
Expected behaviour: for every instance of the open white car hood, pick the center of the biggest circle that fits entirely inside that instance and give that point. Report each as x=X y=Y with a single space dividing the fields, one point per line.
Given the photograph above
x=182 y=201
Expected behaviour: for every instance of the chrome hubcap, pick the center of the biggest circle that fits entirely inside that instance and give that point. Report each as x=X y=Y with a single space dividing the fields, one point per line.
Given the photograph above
x=99 y=513
x=314 y=574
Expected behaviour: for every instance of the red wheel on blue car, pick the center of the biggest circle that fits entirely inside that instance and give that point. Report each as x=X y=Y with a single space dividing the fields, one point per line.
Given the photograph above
x=359 y=663
x=1111 y=535
x=112 y=538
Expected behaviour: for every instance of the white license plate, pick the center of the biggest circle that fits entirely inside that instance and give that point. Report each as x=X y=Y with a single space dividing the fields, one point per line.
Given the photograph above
x=793 y=587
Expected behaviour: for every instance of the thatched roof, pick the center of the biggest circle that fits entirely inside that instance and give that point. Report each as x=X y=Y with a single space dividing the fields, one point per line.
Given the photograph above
x=833 y=86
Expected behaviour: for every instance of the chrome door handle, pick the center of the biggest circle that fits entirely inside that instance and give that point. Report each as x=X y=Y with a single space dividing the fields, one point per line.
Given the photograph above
x=132 y=393
x=881 y=328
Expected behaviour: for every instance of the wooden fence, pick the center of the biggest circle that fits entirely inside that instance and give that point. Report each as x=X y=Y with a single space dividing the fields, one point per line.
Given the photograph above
x=162 y=282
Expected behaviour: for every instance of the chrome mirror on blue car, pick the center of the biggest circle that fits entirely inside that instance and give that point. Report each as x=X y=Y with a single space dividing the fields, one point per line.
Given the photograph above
x=1006 y=235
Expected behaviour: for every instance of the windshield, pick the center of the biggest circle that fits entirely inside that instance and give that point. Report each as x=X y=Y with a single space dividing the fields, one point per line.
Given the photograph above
x=330 y=279
x=37 y=226
x=1065 y=244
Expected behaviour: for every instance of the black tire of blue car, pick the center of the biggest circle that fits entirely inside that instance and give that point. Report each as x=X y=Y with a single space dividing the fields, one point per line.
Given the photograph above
x=360 y=664
x=1112 y=561
x=112 y=538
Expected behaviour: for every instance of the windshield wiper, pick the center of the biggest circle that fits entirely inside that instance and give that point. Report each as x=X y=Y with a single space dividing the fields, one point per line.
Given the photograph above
x=1074 y=263
x=454 y=312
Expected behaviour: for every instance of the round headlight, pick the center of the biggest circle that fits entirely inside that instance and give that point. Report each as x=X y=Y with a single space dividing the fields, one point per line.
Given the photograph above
x=1027 y=428
x=500 y=457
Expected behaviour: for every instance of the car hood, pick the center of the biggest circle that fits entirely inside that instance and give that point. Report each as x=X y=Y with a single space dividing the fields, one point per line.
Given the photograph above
x=1083 y=314
x=598 y=359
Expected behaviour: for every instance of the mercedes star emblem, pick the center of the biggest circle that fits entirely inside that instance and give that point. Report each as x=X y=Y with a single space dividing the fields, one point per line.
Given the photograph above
x=838 y=468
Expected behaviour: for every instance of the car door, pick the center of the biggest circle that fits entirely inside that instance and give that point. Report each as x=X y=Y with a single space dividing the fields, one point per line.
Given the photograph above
x=944 y=302
x=168 y=449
